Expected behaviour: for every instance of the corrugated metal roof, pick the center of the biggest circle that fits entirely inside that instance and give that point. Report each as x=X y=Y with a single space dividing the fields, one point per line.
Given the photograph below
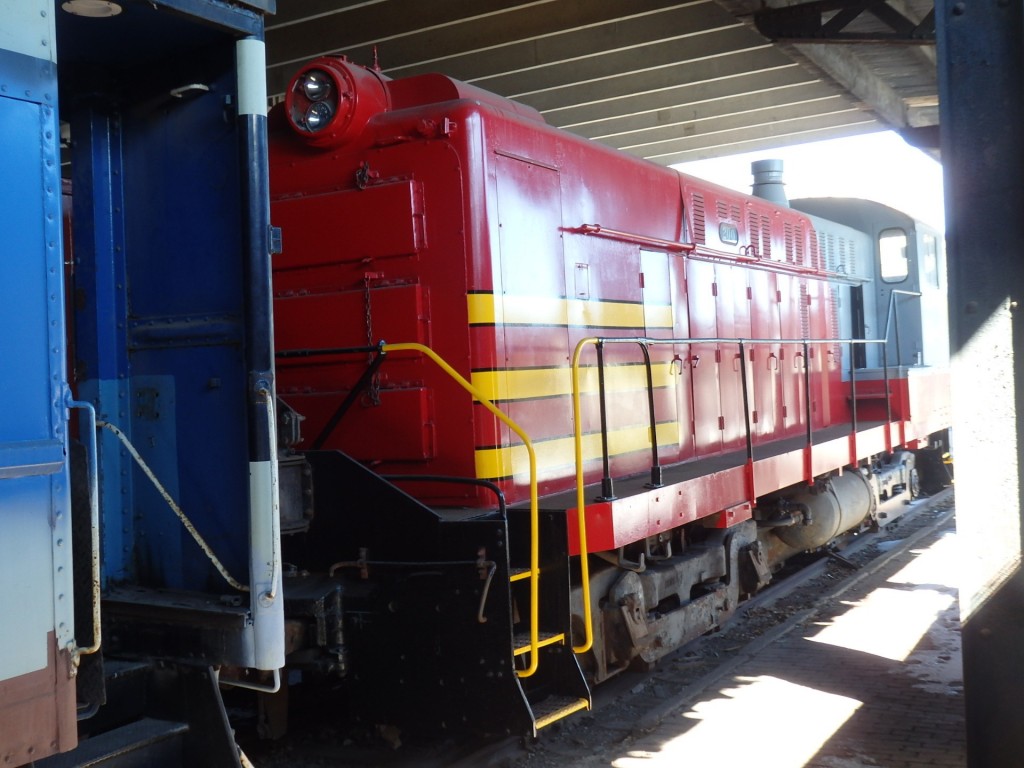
x=666 y=80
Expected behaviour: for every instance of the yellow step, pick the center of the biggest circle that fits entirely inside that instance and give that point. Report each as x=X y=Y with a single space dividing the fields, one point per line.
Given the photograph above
x=555 y=708
x=521 y=642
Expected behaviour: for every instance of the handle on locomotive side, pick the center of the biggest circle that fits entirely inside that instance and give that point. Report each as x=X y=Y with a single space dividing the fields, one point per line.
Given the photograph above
x=92 y=463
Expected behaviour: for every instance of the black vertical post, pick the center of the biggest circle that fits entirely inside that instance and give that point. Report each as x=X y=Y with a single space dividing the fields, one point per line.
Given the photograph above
x=656 y=478
x=853 y=390
x=259 y=327
x=807 y=391
x=257 y=242
x=896 y=328
x=746 y=401
x=607 y=485
x=981 y=87
x=885 y=383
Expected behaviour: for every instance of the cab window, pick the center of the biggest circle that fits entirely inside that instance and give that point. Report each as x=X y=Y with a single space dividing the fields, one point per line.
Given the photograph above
x=892 y=252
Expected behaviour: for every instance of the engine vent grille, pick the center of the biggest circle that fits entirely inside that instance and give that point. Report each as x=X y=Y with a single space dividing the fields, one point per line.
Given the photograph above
x=805 y=312
x=698 y=219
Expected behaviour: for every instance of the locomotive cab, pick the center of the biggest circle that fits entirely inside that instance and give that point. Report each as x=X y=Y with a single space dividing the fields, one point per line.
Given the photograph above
x=905 y=270
x=903 y=302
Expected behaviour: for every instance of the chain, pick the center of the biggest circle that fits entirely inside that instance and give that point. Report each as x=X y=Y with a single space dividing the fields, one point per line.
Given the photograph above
x=373 y=394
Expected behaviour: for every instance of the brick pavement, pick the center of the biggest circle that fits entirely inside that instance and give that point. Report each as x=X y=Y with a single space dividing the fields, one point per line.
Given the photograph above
x=872 y=678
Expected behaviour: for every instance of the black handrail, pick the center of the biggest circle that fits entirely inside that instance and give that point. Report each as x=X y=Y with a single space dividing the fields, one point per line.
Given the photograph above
x=890 y=314
x=377 y=357
x=324 y=352
x=853 y=390
x=607 y=482
x=492 y=487
x=656 y=475
x=807 y=389
x=746 y=401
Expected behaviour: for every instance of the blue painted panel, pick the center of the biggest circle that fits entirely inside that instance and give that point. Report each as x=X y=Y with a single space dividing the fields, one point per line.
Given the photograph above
x=27 y=78
x=100 y=338
x=176 y=421
x=35 y=556
x=23 y=278
x=183 y=224
x=186 y=365
x=31 y=457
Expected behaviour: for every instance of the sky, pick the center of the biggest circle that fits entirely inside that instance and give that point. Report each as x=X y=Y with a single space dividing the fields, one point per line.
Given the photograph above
x=877 y=166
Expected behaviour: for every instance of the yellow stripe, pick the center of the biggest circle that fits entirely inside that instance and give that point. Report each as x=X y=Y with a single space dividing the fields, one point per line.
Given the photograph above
x=504 y=462
x=481 y=308
x=550 y=382
x=489 y=309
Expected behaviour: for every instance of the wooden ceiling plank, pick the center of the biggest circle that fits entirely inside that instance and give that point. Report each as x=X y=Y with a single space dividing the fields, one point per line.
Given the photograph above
x=409 y=33
x=696 y=69
x=762 y=137
x=652 y=142
x=664 y=123
x=576 y=44
x=612 y=115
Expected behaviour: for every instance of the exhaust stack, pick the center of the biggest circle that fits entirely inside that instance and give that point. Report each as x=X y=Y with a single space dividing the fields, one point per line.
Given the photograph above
x=768 y=183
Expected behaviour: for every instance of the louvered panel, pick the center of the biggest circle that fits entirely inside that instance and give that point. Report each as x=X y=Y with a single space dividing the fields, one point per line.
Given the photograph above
x=698 y=219
x=830 y=252
x=787 y=229
x=766 y=237
x=834 y=331
x=754 y=230
x=805 y=312
x=834 y=301
x=816 y=260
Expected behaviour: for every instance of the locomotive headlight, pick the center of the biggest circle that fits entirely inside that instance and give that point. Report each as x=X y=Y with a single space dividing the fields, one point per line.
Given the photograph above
x=313 y=100
x=318 y=115
x=316 y=85
x=330 y=101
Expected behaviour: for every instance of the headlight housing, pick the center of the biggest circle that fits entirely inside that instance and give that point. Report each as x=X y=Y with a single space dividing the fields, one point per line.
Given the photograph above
x=330 y=100
x=312 y=101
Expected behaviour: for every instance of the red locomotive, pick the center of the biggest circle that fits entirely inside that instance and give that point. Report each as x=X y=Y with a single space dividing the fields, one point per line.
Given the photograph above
x=510 y=346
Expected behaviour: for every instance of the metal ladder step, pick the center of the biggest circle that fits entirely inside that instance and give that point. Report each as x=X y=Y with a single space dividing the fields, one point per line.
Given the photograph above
x=521 y=641
x=554 y=708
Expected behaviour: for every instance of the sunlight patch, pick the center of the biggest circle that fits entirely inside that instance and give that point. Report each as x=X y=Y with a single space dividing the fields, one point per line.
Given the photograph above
x=765 y=742
x=887 y=623
x=935 y=566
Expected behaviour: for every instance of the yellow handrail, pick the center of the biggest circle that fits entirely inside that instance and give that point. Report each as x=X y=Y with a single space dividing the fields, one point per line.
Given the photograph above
x=581 y=504
x=534 y=522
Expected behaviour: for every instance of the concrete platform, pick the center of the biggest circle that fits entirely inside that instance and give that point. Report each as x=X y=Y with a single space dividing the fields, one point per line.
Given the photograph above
x=869 y=678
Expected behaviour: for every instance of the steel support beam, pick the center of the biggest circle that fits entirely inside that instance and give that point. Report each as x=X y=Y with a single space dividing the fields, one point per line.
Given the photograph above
x=982 y=104
x=835 y=21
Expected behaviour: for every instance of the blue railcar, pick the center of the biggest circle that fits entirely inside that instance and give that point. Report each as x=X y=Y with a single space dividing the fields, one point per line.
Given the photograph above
x=160 y=135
